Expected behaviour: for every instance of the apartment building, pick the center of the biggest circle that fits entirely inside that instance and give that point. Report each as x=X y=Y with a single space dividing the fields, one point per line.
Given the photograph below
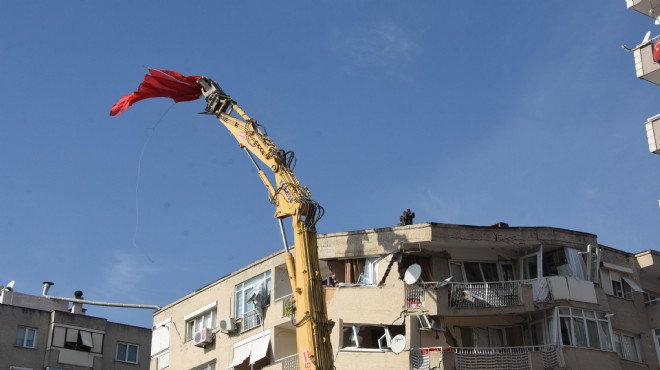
x=40 y=333
x=433 y=296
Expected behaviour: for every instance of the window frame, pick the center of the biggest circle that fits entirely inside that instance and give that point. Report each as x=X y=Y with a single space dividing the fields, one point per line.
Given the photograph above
x=574 y=329
x=458 y=266
x=26 y=330
x=201 y=321
x=384 y=341
x=244 y=289
x=617 y=338
x=126 y=353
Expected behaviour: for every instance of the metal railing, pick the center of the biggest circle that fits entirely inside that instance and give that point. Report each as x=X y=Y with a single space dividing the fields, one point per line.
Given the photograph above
x=289 y=362
x=419 y=358
x=496 y=294
x=251 y=319
x=414 y=296
x=288 y=309
x=514 y=358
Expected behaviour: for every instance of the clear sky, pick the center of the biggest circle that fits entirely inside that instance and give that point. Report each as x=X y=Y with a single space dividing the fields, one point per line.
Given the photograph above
x=525 y=112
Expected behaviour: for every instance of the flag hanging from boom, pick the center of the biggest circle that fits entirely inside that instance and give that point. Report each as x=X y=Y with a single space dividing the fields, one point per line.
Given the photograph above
x=161 y=84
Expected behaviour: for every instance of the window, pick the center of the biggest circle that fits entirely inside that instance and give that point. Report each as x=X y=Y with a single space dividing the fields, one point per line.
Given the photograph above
x=493 y=336
x=205 y=320
x=582 y=328
x=481 y=272
x=127 y=352
x=26 y=337
x=627 y=347
x=210 y=366
x=245 y=289
x=77 y=339
x=369 y=337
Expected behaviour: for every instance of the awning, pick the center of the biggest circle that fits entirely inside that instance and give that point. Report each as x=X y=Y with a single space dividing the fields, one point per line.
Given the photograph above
x=619 y=268
x=632 y=284
x=254 y=347
x=259 y=349
x=241 y=353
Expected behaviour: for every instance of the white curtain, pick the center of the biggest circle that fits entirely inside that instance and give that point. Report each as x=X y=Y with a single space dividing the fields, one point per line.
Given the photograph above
x=576 y=263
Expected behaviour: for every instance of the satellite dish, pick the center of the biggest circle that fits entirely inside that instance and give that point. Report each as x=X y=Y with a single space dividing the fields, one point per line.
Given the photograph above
x=657 y=21
x=398 y=343
x=647 y=37
x=444 y=282
x=10 y=286
x=412 y=274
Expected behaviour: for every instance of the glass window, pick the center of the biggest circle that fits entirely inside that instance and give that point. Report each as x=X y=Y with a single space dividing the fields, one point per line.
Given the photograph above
x=203 y=321
x=583 y=328
x=245 y=289
x=627 y=347
x=26 y=337
x=127 y=352
x=369 y=337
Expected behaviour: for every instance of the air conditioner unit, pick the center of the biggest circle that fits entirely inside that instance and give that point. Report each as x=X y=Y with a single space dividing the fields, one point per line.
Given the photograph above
x=203 y=337
x=227 y=325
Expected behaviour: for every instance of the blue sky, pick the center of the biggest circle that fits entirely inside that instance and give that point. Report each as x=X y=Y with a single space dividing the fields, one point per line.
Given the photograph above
x=466 y=112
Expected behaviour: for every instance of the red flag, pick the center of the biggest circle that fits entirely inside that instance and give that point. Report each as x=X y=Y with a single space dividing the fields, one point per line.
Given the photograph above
x=161 y=84
x=656 y=51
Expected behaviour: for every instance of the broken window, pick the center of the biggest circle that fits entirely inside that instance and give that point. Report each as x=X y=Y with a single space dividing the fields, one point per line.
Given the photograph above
x=492 y=336
x=481 y=272
x=369 y=337
x=77 y=339
x=361 y=271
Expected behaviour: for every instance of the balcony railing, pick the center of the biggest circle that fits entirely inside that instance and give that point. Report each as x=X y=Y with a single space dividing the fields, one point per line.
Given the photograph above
x=251 y=320
x=514 y=358
x=289 y=363
x=419 y=358
x=497 y=294
x=288 y=308
x=414 y=296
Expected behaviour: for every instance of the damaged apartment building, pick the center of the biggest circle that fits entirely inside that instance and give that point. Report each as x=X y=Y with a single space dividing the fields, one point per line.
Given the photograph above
x=433 y=296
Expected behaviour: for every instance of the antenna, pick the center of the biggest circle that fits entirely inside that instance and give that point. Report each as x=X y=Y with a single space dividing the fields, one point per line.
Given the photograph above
x=647 y=37
x=412 y=274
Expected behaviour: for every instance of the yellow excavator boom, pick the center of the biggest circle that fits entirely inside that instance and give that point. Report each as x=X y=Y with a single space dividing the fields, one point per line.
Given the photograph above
x=292 y=200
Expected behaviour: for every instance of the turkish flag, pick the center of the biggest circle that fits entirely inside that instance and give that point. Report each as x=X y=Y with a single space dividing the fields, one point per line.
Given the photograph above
x=161 y=84
x=656 y=51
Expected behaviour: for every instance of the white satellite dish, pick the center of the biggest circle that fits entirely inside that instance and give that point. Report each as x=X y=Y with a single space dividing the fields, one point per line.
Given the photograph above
x=10 y=286
x=398 y=343
x=647 y=37
x=412 y=274
x=444 y=282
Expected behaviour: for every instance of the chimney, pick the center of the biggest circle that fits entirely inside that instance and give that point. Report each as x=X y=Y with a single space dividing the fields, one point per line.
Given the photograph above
x=77 y=307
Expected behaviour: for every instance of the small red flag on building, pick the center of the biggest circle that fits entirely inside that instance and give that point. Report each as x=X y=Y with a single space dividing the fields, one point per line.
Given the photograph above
x=161 y=84
x=656 y=51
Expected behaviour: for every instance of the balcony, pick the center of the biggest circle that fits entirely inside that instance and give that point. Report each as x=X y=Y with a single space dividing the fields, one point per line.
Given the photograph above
x=486 y=295
x=645 y=66
x=531 y=357
x=251 y=319
x=286 y=363
x=554 y=288
x=653 y=134
x=644 y=6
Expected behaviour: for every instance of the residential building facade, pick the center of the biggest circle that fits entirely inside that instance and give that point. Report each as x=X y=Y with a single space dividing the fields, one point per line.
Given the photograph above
x=433 y=296
x=39 y=333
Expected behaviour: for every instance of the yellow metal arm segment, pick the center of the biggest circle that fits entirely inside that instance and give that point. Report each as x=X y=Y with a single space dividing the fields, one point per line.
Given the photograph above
x=291 y=200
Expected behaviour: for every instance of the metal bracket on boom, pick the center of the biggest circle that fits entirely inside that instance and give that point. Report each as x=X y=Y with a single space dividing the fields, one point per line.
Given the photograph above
x=217 y=101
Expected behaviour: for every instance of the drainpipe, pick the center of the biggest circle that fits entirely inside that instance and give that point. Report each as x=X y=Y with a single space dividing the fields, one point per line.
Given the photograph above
x=79 y=300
